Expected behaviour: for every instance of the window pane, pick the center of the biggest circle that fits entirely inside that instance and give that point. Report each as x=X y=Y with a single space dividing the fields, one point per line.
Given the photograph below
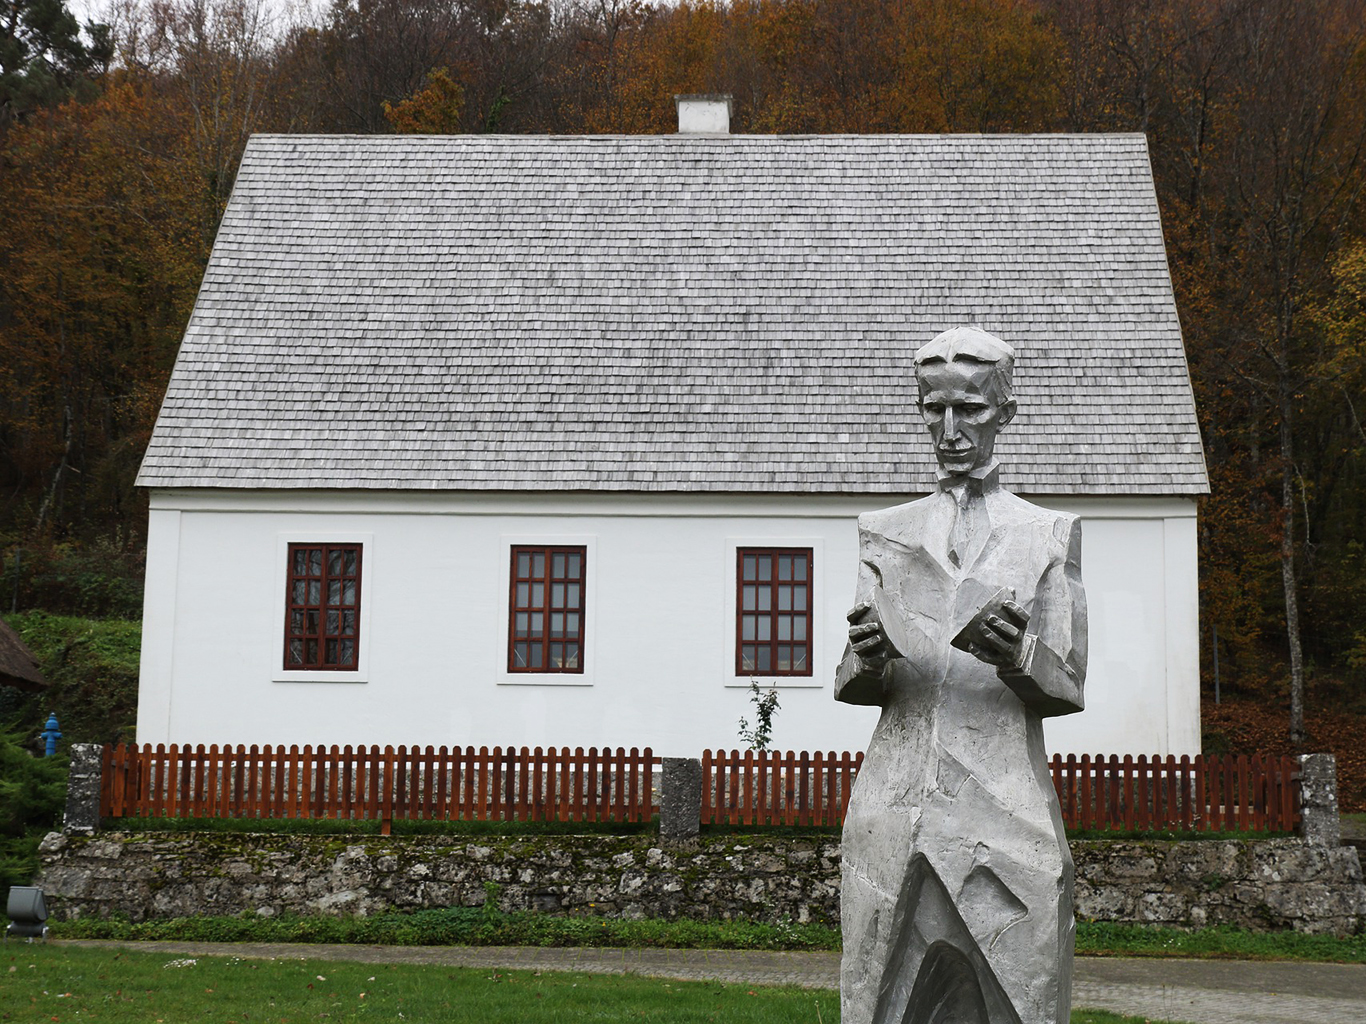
x=349 y=592
x=311 y=652
x=312 y=627
x=762 y=659
x=333 y=623
x=747 y=661
x=784 y=627
x=799 y=564
x=750 y=602
x=315 y=562
x=334 y=592
x=765 y=599
x=334 y=563
x=784 y=567
x=315 y=592
x=765 y=629
x=798 y=659
x=296 y=622
x=765 y=568
x=784 y=658
x=749 y=572
x=799 y=598
x=331 y=655
x=547 y=603
x=349 y=564
x=300 y=560
x=348 y=652
x=784 y=599
x=349 y=623
x=747 y=627
x=296 y=652
x=300 y=592
x=799 y=627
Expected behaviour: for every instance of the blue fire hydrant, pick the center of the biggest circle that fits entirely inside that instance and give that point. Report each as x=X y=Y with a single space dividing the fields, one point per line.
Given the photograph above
x=51 y=734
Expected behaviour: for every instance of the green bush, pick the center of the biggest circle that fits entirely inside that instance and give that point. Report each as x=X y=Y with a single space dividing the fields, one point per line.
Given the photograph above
x=92 y=666
x=32 y=795
x=468 y=926
x=101 y=579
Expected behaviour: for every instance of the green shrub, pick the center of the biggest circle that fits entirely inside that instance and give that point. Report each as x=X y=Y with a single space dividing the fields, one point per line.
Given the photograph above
x=32 y=795
x=92 y=666
x=101 y=579
x=469 y=926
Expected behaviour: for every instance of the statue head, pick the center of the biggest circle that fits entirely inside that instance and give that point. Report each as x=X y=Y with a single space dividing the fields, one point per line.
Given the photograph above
x=964 y=376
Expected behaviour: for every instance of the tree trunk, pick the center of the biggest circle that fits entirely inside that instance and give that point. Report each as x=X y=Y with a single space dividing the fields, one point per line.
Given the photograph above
x=1292 y=603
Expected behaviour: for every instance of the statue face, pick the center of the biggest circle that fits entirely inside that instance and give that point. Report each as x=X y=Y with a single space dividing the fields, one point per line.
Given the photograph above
x=961 y=403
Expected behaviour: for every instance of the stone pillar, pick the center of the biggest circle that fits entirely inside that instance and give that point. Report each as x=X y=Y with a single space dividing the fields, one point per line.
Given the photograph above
x=83 y=789
x=1319 y=821
x=680 y=802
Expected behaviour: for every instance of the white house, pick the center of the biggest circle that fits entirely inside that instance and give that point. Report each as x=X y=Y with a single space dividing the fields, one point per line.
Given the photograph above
x=527 y=440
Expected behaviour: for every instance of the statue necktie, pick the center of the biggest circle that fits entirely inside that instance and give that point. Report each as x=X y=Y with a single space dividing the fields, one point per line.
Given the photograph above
x=968 y=521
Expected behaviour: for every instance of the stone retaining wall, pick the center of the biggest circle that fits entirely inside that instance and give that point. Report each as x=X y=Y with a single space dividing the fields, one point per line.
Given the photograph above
x=1265 y=885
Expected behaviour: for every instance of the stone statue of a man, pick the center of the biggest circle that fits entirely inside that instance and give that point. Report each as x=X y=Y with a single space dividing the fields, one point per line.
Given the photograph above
x=970 y=629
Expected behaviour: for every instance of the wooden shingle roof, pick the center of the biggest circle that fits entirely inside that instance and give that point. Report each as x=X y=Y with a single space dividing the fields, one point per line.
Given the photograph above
x=18 y=667
x=674 y=313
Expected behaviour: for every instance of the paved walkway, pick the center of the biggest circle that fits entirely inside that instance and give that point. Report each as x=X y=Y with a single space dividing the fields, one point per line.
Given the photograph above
x=1194 y=991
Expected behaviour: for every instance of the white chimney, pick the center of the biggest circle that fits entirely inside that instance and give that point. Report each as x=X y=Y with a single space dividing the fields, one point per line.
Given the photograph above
x=703 y=114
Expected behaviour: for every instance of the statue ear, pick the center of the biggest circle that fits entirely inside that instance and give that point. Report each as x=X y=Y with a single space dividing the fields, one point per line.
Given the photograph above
x=1007 y=412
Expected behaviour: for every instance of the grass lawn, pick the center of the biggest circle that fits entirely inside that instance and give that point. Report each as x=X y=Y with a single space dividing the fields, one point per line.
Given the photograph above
x=46 y=983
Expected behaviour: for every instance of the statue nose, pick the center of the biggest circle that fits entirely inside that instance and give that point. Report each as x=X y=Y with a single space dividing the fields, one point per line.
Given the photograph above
x=950 y=423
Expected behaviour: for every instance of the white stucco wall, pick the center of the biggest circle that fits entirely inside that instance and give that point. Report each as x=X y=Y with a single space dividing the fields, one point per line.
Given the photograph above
x=658 y=659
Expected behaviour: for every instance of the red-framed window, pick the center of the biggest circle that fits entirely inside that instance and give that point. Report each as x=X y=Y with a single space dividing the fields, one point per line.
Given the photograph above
x=322 y=607
x=773 y=611
x=545 y=617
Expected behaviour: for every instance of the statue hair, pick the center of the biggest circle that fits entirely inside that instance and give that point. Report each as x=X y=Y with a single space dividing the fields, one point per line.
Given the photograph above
x=973 y=345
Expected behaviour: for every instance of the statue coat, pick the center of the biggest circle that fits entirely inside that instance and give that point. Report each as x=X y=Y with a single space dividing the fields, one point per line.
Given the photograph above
x=957 y=880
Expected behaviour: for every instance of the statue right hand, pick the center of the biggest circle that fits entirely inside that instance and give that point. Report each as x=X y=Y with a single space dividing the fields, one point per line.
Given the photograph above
x=867 y=638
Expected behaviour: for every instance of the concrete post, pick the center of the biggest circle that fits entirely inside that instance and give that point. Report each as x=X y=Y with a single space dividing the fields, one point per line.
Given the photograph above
x=1319 y=821
x=680 y=802
x=83 y=788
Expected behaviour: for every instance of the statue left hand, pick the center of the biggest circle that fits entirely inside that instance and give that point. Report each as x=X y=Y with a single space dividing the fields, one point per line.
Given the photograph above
x=998 y=639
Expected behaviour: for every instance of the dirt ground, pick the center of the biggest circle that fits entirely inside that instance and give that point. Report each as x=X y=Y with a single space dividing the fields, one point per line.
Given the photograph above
x=1246 y=726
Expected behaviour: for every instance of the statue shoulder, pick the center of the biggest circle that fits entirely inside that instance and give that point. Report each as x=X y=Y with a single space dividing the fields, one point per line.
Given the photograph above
x=886 y=521
x=1065 y=527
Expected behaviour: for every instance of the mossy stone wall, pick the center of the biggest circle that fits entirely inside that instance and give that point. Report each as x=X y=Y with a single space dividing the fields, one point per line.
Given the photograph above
x=1263 y=885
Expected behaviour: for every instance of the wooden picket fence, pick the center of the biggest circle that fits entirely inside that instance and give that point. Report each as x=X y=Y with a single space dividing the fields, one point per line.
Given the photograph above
x=774 y=787
x=502 y=784
x=1221 y=793
x=1225 y=793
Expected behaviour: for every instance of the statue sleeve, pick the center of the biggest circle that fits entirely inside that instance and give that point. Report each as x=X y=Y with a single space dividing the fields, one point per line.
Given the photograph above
x=855 y=681
x=1052 y=667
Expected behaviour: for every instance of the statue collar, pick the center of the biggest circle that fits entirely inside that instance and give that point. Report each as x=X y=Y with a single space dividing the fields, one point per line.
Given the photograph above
x=979 y=481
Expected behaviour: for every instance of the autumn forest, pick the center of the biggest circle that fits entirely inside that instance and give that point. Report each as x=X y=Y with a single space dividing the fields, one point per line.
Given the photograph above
x=119 y=142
